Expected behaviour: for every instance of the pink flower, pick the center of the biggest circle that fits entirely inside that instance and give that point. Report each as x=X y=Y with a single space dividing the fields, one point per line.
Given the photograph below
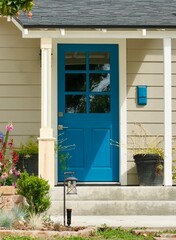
x=17 y=173
x=9 y=127
x=11 y=171
x=4 y=175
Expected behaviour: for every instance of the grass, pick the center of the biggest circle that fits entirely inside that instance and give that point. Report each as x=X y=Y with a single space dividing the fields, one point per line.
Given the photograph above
x=17 y=238
x=103 y=233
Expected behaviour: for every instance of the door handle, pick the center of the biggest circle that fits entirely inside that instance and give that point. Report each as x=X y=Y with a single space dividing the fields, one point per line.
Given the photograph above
x=61 y=127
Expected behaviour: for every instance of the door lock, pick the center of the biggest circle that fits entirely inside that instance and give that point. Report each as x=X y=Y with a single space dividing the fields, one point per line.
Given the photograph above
x=61 y=127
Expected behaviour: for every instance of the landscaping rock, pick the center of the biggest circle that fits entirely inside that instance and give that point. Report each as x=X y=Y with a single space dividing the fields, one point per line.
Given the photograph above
x=48 y=234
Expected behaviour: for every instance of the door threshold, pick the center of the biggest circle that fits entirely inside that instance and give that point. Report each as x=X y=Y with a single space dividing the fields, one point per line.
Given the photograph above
x=93 y=184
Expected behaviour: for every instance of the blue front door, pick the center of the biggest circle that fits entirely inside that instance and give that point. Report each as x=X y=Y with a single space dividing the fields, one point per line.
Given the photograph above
x=88 y=110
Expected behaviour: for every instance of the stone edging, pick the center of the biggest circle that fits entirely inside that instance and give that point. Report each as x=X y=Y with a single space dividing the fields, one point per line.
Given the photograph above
x=46 y=234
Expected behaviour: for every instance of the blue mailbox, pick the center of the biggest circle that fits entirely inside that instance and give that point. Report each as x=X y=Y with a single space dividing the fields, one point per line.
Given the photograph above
x=142 y=95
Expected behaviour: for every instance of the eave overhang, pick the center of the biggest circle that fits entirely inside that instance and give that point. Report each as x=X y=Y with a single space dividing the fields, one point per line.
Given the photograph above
x=97 y=31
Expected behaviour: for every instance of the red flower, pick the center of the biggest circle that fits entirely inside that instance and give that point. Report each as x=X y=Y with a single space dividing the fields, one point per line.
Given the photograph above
x=1 y=156
x=15 y=157
x=10 y=143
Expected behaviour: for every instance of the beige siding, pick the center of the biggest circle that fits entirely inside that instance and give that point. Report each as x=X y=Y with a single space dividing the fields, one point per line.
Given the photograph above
x=19 y=82
x=145 y=67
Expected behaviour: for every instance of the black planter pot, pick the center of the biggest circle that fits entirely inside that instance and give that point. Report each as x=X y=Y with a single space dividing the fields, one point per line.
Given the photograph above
x=150 y=169
x=30 y=165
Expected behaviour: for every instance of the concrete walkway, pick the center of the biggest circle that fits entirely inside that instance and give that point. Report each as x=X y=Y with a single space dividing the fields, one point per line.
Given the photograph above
x=123 y=221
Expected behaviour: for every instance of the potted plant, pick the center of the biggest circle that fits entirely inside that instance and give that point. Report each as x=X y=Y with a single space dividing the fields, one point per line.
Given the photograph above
x=28 y=157
x=150 y=168
x=149 y=158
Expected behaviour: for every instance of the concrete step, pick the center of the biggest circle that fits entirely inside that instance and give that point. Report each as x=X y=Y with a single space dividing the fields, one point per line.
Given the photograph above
x=116 y=200
x=115 y=207
x=117 y=193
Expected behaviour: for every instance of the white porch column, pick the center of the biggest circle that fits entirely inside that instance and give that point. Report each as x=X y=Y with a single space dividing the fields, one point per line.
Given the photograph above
x=46 y=140
x=123 y=114
x=167 y=113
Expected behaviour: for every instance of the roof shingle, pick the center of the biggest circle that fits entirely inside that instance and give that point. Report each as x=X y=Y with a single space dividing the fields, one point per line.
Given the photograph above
x=101 y=13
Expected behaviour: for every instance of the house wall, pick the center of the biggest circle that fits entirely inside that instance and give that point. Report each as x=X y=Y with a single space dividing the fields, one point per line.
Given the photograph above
x=20 y=87
x=145 y=67
x=19 y=82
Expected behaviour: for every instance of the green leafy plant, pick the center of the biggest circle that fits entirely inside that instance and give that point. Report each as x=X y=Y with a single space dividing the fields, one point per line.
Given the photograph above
x=28 y=148
x=63 y=152
x=28 y=156
x=36 y=192
x=12 y=7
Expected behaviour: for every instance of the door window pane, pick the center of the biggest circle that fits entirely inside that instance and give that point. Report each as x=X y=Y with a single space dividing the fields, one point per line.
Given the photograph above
x=100 y=82
x=99 y=61
x=75 y=82
x=99 y=104
x=75 y=103
x=75 y=61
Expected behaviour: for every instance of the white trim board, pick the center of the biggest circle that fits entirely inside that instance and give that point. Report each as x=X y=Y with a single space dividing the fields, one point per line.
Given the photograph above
x=167 y=112
x=101 y=35
x=87 y=34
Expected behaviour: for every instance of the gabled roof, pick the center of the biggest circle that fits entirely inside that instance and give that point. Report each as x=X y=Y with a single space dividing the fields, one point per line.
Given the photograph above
x=101 y=14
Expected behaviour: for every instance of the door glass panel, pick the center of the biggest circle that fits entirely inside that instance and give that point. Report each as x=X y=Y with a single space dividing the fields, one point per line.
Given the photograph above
x=99 y=61
x=100 y=82
x=99 y=104
x=75 y=103
x=75 y=82
x=75 y=61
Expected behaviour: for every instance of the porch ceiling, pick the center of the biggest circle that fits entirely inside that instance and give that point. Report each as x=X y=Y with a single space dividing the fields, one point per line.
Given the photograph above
x=101 y=13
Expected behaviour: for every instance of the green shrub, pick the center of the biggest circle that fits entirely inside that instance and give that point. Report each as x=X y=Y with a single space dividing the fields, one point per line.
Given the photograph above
x=36 y=192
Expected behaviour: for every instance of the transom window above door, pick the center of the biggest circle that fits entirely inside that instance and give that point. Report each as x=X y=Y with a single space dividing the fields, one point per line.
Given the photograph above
x=87 y=82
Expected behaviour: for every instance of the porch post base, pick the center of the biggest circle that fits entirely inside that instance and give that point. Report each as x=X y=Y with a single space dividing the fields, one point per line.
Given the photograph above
x=47 y=166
